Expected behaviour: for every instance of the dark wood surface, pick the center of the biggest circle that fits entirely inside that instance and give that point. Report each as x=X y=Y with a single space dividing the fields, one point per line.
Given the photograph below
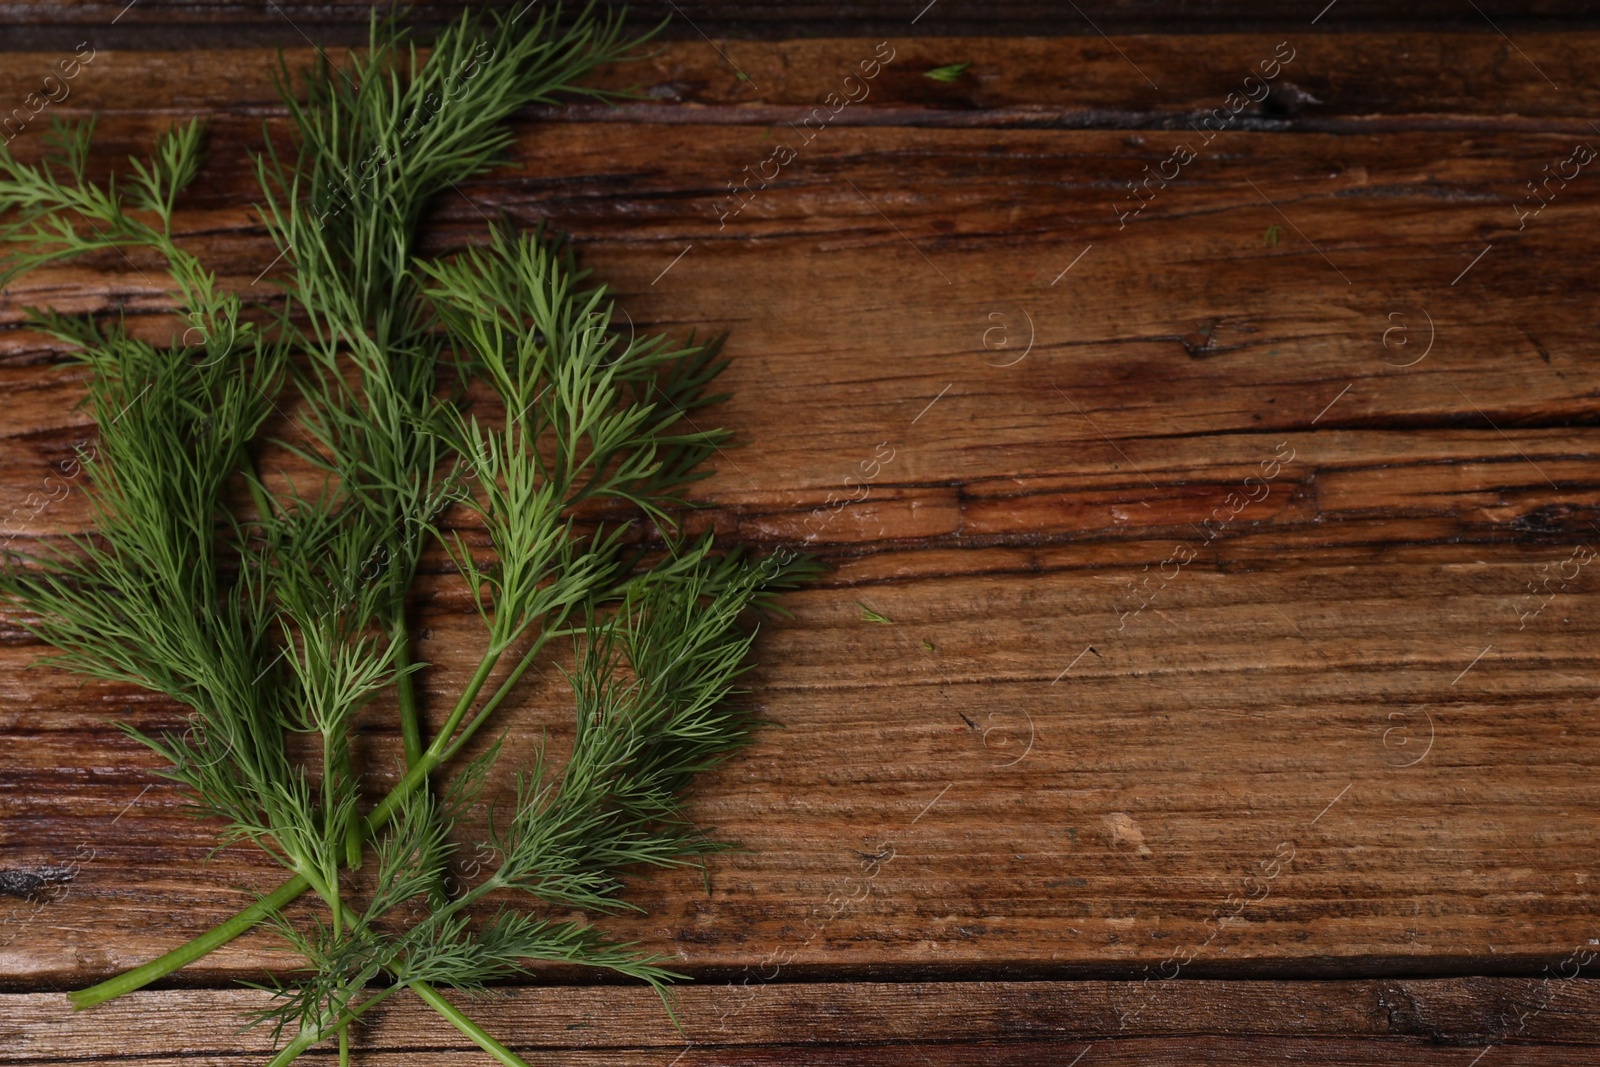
x=1343 y=678
x=1440 y=1023
x=166 y=24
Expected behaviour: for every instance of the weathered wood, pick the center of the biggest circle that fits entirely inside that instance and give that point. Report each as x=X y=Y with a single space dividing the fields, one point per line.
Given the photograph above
x=1162 y=776
x=1384 y=81
x=1340 y=703
x=163 y=24
x=1368 y=1022
x=1099 y=336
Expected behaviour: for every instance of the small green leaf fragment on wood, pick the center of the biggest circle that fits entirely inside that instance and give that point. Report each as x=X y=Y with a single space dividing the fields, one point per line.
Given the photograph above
x=948 y=73
x=868 y=615
x=927 y=646
x=1270 y=239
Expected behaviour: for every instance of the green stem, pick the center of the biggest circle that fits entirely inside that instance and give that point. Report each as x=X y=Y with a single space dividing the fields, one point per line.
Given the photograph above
x=331 y=894
x=404 y=690
x=442 y=748
x=410 y=733
x=468 y=696
x=479 y=1036
x=494 y=700
x=291 y=1052
x=221 y=934
x=431 y=997
x=212 y=939
x=460 y=1021
x=308 y=1037
x=353 y=840
x=329 y=783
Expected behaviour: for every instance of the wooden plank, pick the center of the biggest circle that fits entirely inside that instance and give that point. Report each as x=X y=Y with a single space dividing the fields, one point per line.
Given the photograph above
x=1096 y=826
x=1438 y=1022
x=1294 y=335
x=1335 y=82
x=1269 y=700
x=290 y=21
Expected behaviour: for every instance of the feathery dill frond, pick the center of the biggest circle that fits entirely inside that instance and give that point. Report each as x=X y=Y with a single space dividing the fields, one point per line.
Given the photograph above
x=279 y=622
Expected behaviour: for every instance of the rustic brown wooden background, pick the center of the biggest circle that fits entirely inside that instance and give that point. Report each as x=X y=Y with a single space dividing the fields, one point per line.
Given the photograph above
x=1346 y=676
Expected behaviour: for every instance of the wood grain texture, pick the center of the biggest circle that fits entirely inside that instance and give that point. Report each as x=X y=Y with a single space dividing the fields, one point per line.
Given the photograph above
x=1105 y=1023
x=1124 y=716
x=1343 y=82
x=160 y=24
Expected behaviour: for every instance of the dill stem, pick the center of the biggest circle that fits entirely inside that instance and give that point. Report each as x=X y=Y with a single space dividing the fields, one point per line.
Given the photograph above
x=499 y=694
x=405 y=690
x=208 y=942
x=460 y=1021
x=330 y=892
x=442 y=748
x=226 y=931
x=430 y=996
x=328 y=809
x=342 y=913
x=353 y=841
x=301 y=1041
x=410 y=733
x=306 y=1038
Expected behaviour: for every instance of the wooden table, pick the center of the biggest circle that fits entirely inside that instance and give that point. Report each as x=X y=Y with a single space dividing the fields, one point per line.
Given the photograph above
x=1236 y=698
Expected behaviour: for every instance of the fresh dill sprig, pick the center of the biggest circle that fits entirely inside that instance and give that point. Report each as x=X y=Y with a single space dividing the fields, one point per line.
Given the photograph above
x=273 y=606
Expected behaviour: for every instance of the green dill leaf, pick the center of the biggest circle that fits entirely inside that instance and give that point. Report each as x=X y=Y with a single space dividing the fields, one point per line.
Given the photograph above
x=948 y=73
x=869 y=615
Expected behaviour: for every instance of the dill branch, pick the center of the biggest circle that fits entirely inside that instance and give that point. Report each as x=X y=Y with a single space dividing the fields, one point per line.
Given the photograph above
x=278 y=625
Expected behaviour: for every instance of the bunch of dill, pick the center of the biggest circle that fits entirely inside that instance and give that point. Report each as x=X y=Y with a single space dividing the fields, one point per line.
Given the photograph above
x=273 y=606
